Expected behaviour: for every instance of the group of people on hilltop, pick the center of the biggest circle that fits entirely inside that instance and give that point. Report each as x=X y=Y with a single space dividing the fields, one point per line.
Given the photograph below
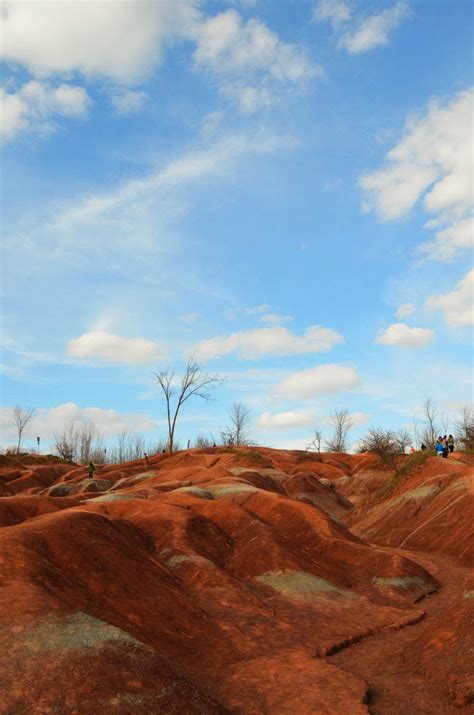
x=444 y=445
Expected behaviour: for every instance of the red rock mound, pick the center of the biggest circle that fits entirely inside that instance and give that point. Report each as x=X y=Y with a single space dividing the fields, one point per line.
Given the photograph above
x=210 y=581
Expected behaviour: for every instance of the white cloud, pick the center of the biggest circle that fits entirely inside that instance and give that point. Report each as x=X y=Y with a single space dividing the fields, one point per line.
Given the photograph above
x=334 y=11
x=127 y=101
x=119 y=40
x=114 y=349
x=285 y=420
x=249 y=62
x=275 y=318
x=404 y=336
x=450 y=241
x=49 y=421
x=433 y=161
x=251 y=344
x=457 y=306
x=405 y=310
x=319 y=380
x=374 y=30
x=35 y=104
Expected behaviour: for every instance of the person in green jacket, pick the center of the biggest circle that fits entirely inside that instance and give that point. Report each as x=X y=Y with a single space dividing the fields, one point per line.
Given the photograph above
x=91 y=470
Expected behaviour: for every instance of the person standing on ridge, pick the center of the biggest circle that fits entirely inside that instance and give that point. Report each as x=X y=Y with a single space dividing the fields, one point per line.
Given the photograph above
x=91 y=469
x=145 y=457
x=451 y=443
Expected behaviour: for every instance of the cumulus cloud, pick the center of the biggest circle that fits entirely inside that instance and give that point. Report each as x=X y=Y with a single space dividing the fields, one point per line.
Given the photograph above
x=34 y=105
x=251 y=344
x=319 y=380
x=110 y=348
x=457 y=306
x=49 y=421
x=404 y=336
x=374 y=30
x=249 y=62
x=405 y=310
x=118 y=40
x=285 y=420
x=432 y=162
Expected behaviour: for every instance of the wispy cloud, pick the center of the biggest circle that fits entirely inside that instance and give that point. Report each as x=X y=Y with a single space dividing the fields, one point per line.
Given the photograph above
x=360 y=33
x=374 y=30
x=260 y=342
x=457 y=306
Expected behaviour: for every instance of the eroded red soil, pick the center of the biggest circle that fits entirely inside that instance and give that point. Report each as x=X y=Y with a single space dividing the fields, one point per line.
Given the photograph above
x=240 y=581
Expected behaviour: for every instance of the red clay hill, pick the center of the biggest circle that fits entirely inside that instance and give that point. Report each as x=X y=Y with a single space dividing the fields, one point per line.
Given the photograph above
x=248 y=581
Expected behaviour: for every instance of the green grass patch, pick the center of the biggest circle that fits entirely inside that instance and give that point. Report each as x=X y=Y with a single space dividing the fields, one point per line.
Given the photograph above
x=410 y=465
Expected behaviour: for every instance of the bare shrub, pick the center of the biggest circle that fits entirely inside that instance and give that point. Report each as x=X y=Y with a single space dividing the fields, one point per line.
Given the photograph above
x=465 y=427
x=236 y=433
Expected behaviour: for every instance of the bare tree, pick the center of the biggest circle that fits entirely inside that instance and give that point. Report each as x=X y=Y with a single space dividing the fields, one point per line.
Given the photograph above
x=87 y=434
x=403 y=440
x=430 y=413
x=66 y=443
x=465 y=427
x=194 y=383
x=236 y=433
x=316 y=441
x=341 y=422
x=22 y=417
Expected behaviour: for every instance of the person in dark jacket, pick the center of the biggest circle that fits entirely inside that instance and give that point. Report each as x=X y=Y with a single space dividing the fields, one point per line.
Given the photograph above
x=91 y=470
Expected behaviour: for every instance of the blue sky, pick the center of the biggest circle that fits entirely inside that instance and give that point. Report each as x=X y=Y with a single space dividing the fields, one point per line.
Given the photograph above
x=284 y=189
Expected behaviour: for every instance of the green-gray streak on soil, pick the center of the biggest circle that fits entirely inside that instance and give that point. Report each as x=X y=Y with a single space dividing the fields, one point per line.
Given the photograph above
x=402 y=582
x=182 y=558
x=73 y=632
x=415 y=494
x=114 y=497
x=301 y=585
x=195 y=491
x=228 y=489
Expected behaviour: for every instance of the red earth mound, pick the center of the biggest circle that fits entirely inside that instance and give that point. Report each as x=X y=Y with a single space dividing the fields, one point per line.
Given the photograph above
x=218 y=581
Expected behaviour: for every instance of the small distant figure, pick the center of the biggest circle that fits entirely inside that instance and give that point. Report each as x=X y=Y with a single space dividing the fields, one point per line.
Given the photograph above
x=444 y=442
x=422 y=447
x=412 y=450
x=163 y=451
x=145 y=457
x=91 y=469
x=451 y=443
x=214 y=445
x=439 y=447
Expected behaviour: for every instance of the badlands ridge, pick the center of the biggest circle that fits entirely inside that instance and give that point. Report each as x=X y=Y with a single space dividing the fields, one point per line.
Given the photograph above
x=237 y=580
